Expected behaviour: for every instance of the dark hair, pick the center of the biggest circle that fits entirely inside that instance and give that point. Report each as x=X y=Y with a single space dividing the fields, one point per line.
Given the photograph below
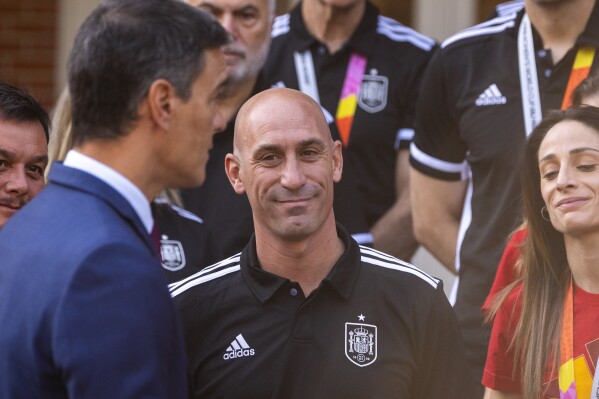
x=18 y=105
x=589 y=86
x=546 y=273
x=125 y=45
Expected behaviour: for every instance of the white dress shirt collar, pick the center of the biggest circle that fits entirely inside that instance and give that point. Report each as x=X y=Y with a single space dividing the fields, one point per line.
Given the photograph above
x=115 y=180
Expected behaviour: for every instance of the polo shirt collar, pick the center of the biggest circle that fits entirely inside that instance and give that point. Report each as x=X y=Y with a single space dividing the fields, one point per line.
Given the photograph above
x=361 y=40
x=341 y=278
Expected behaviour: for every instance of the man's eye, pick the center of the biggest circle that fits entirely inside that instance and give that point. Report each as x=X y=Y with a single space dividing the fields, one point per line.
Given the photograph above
x=37 y=170
x=269 y=158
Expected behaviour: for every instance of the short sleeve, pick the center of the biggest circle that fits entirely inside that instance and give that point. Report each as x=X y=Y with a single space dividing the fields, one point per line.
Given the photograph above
x=506 y=271
x=405 y=134
x=499 y=372
x=437 y=149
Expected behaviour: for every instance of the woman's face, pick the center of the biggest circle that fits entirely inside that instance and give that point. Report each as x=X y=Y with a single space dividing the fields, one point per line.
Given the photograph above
x=569 y=168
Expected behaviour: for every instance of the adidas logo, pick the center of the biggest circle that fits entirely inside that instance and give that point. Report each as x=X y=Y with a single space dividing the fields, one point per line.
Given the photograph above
x=238 y=348
x=491 y=96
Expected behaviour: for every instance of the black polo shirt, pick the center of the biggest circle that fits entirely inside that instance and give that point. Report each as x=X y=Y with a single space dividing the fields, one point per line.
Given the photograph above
x=384 y=118
x=184 y=240
x=228 y=215
x=376 y=327
x=470 y=125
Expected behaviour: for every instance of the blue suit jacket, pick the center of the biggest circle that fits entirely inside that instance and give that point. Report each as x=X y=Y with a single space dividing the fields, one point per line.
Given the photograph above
x=84 y=307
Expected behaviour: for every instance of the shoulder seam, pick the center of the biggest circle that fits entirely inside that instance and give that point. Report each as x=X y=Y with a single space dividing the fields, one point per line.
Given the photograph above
x=180 y=211
x=398 y=32
x=280 y=25
x=235 y=259
x=381 y=259
x=494 y=26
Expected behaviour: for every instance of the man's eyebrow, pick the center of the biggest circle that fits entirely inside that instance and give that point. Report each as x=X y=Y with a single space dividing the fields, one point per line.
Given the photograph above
x=266 y=148
x=39 y=158
x=312 y=142
x=7 y=154
x=245 y=8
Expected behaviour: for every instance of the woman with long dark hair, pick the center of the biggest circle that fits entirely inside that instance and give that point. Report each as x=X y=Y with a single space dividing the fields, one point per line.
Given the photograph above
x=545 y=339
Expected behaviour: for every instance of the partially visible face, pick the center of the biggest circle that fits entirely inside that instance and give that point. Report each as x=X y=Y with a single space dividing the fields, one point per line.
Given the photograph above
x=288 y=165
x=249 y=22
x=194 y=124
x=23 y=158
x=569 y=170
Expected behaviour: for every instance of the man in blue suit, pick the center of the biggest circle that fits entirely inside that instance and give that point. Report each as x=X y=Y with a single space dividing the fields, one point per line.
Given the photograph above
x=84 y=308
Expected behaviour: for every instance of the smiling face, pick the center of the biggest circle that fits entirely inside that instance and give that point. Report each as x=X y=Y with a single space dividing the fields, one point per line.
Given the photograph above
x=286 y=162
x=23 y=158
x=569 y=169
x=249 y=22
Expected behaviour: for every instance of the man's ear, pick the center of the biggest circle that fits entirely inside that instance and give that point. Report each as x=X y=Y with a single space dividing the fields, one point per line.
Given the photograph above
x=337 y=161
x=233 y=170
x=161 y=99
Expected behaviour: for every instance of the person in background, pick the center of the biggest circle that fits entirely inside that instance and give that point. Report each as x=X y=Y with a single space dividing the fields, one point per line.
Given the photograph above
x=304 y=311
x=471 y=121
x=84 y=308
x=228 y=216
x=24 y=130
x=183 y=237
x=546 y=326
x=365 y=71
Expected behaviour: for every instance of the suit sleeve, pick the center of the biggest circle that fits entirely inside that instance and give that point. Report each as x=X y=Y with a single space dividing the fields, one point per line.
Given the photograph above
x=116 y=334
x=442 y=370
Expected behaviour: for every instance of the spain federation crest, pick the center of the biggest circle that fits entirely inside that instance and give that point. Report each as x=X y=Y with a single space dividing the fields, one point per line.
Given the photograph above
x=360 y=343
x=373 y=92
x=173 y=256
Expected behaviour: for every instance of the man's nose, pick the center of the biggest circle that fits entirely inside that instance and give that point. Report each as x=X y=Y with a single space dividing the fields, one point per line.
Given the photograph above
x=292 y=174
x=17 y=181
x=228 y=22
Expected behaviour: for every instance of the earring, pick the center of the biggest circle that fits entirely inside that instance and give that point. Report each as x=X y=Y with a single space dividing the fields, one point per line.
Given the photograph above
x=543 y=211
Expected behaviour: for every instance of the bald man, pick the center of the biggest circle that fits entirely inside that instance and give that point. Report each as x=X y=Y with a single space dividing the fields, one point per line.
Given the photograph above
x=304 y=311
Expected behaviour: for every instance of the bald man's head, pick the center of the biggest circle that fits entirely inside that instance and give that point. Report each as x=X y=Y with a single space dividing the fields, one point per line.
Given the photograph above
x=277 y=108
x=286 y=162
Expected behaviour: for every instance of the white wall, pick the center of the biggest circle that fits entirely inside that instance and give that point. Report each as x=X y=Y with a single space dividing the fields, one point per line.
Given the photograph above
x=442 y=18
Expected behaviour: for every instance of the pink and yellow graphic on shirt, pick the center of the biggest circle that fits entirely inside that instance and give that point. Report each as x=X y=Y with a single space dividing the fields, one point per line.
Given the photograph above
x=575 y=378
x=580 y=382
x=349 y=96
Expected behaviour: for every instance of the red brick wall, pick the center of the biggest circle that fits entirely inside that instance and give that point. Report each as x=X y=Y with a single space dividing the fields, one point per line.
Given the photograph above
x=28 y=45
